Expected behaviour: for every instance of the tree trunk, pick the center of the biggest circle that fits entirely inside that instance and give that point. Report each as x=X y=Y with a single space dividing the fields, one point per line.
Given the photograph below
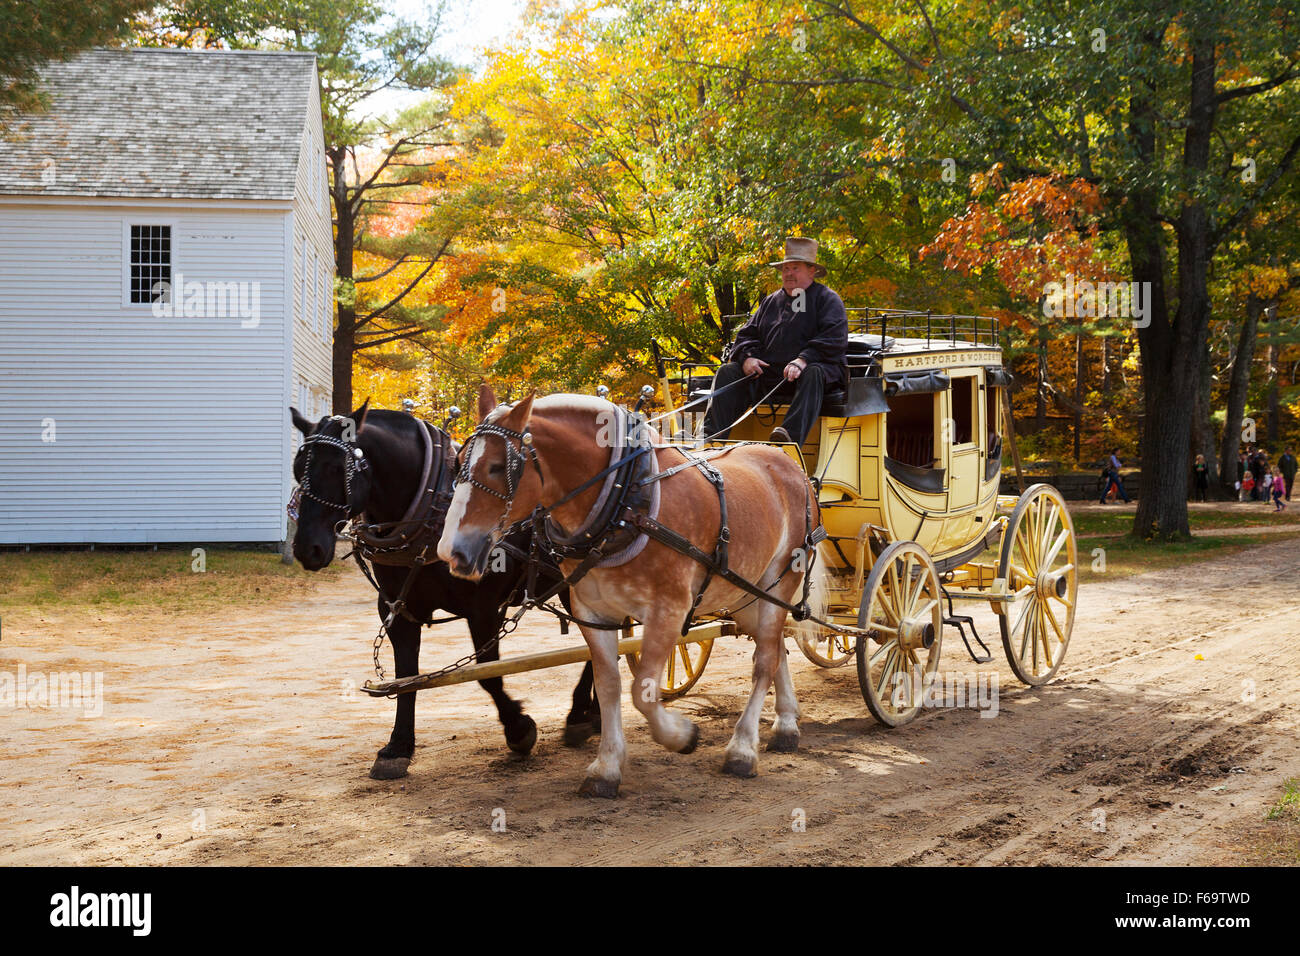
x=1078 y=393
x=1040 y=408
x=1270 y=365
x=1238 y=383
x=1203 y=438
x=345 y=334
x=1172 y=354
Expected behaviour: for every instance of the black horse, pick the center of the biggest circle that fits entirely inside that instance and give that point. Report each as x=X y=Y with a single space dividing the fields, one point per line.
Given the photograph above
x=381 y=481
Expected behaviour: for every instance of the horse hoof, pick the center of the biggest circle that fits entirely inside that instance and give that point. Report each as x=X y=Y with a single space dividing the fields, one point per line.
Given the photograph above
x=599 y=787
x=745 y=767
x=694 y=741
x=523 y=744
x=389 y=768
x=575 y=735
x=784 y=743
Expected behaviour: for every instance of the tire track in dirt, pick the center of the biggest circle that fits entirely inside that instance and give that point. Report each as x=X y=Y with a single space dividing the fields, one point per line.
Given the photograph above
x=241 y=714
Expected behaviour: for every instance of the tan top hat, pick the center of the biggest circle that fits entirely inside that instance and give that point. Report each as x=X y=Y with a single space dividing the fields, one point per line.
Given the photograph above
x=801 y=250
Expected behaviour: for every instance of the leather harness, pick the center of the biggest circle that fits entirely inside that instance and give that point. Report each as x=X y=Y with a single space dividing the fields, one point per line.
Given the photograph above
x=621 y=517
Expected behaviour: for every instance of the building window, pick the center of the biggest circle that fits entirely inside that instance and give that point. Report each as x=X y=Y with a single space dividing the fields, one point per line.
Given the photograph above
x=308 y=287
x=151 y=261
x=326 y=304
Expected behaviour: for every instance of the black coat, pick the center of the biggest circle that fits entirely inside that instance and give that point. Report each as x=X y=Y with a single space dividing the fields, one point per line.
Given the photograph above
x=778 y=334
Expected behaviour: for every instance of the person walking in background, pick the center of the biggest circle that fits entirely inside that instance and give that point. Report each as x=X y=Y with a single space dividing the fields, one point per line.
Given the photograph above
x=1201 y=472
x=1247 y=487
x=1112 y=477
x=1287 y=465
x=1255 y=462
x=1278 y=489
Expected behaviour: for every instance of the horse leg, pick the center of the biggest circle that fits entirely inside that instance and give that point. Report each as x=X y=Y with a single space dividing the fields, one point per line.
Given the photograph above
x=785 y=736
x=583 y=720
x=606 y=772
x=521 y=730
x=675 y=731
x=392 y=762
x=742 y=750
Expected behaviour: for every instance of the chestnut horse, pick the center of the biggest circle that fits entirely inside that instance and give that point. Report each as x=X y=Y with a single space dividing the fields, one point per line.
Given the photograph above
x=554 y=452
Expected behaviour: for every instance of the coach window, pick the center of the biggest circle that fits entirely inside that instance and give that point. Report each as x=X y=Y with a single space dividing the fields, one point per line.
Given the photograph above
x=910 y=431
x=963 y=410
x=992 y=405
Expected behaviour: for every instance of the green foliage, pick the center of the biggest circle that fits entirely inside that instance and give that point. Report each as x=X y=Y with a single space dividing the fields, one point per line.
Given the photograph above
x=32 y=32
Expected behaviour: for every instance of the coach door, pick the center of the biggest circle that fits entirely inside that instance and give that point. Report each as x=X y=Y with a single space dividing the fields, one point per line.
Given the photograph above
x=965 y=465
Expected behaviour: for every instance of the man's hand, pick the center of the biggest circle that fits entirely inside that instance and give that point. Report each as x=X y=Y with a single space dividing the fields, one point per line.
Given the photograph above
x=753 y=366
x=794 y=370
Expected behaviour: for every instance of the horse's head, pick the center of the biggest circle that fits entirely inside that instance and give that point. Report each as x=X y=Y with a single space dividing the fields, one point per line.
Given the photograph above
x=334 y=483
x=499 y=483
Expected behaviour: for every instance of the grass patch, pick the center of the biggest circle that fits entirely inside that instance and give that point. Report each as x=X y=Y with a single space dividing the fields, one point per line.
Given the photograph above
x=1288 y=807
x=165 y=578
x=1251 y=515
x=1127 y=555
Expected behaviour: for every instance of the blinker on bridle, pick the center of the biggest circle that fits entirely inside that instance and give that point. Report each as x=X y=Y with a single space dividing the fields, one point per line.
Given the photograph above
x=516 y=459
x=354 y=462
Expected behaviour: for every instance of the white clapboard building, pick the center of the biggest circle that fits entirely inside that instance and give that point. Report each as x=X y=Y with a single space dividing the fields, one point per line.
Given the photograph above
x=166 y=291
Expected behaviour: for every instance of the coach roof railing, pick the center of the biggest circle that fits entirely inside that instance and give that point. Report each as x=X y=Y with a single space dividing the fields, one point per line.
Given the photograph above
x=931 y=327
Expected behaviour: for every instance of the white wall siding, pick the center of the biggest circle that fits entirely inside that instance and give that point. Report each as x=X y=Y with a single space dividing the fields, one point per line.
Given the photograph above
x=312 y=361
x=167 y=429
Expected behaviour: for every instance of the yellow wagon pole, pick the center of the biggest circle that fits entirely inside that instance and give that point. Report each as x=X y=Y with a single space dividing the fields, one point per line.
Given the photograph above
x=531 y=662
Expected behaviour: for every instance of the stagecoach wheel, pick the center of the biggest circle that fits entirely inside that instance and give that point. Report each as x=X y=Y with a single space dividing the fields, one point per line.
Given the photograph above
x=1039 y=560
x=685 y=665
x=821 y=645
x=901 y=607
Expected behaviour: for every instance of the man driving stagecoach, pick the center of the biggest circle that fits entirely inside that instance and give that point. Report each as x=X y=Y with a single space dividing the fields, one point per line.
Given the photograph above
x=799 y=334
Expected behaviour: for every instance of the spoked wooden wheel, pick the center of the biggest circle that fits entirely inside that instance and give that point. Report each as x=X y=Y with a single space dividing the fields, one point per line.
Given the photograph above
x=900 y=606
x=821 y=645
x=1039 y=561
x=685 y=665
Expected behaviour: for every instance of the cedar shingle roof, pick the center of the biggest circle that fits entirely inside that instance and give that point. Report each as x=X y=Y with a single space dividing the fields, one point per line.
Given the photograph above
x=163 y=123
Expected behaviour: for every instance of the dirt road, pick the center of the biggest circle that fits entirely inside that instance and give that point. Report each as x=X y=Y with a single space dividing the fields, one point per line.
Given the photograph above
x=239 y=738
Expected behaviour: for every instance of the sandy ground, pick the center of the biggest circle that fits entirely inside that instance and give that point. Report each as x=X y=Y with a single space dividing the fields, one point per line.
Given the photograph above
x=238 y=738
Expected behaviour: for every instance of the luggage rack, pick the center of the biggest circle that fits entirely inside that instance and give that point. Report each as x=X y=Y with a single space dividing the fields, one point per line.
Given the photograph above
x=912 y=324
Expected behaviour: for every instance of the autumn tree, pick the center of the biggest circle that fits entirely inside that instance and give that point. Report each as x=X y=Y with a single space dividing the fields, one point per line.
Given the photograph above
x=377 y=163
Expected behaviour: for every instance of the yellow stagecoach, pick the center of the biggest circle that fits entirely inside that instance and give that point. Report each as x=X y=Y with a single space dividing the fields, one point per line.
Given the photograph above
x=907 y=459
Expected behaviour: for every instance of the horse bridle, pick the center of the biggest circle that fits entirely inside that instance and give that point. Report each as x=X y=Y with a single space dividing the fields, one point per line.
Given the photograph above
x=354 y=462
x=516 y=460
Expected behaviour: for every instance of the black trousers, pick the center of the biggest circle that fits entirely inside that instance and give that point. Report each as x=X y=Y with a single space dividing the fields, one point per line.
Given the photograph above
x=805 y=407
